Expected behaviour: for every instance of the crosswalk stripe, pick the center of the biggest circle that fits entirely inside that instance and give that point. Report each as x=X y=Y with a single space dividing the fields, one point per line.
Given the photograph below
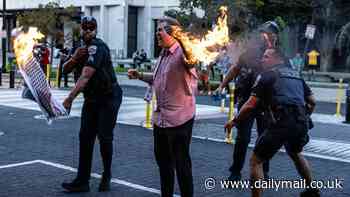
x=322 y=148
x=13 y=98
x=132 y=110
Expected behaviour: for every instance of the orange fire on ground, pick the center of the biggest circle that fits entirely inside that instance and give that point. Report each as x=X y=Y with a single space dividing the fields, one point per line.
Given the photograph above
x=200 y=49
x=24 y=44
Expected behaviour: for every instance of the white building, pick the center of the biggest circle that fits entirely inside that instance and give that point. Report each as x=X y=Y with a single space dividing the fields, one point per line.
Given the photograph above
x=125 y=25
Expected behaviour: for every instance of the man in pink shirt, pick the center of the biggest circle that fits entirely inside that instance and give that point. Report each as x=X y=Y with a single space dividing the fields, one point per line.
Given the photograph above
x=174 y=82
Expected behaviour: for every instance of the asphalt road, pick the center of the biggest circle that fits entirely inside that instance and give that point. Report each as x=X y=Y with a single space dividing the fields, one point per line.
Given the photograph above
x=53 y=154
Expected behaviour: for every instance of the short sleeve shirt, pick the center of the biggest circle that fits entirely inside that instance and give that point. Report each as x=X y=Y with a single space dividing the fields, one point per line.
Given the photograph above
x=263 y=86
x=249 y=68
x=104 y=77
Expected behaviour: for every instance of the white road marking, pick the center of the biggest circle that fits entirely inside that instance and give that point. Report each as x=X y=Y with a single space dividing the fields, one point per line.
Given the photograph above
x=315 y=148
x=19 y=164
x=95 y=175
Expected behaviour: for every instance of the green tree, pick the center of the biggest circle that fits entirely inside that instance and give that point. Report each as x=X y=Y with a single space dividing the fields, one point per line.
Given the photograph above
x=240 y=11
x=189 y=20
x=48 y=19
x=246 y=15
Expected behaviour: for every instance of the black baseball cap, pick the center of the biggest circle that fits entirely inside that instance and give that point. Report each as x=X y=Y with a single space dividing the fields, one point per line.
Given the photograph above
x=270 y=27
x=89 y=20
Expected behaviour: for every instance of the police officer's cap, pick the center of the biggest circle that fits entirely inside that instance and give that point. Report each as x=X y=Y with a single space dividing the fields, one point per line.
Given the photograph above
x=270 y=27
x=89 y=20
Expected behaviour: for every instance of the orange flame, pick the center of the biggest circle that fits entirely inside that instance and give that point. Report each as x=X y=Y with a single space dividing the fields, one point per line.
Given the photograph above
x=200 y=49
x=24 y=44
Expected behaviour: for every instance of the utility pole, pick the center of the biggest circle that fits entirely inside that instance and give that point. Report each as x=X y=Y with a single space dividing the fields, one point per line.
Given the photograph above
x=308 y=39
x=6 y=44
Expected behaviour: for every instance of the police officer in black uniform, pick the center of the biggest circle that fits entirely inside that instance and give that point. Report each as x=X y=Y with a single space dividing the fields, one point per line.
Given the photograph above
x=102 y=98
x=244 y=73
x=286 y=100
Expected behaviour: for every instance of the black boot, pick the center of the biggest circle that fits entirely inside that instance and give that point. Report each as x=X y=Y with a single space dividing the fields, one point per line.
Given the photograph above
x=105 y=184
x=76 y=186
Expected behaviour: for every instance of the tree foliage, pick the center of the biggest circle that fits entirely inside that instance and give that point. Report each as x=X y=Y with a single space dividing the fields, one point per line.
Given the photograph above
x=245 y=14
x=48 y=19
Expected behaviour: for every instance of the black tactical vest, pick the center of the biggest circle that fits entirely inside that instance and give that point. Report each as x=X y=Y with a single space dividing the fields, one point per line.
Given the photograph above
x=288 y=88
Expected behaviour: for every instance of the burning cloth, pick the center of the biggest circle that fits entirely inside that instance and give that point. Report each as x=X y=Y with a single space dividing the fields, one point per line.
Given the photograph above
x=34 y=76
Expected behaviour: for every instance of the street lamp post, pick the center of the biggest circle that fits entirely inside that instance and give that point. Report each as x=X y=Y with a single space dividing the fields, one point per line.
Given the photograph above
x=312 y=23
x=5 y=41
x=5 y=44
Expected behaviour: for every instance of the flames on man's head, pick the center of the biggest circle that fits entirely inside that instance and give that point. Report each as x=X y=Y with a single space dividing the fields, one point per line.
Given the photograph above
x=201 y=49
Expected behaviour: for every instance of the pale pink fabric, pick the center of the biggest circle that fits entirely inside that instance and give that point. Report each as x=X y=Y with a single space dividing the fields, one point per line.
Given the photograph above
x=175 y=87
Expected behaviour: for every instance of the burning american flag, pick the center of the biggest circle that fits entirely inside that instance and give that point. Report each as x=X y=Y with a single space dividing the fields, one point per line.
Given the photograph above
x=34 y=76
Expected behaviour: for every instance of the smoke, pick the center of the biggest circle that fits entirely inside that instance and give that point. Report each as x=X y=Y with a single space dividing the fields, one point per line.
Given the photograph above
x=246 y=43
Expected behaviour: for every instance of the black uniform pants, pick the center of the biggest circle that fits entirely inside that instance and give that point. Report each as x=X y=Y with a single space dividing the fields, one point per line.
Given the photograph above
x=244 y=131
x=172 y=152
x=98 y=117
x=290 y=131
x=60 y=73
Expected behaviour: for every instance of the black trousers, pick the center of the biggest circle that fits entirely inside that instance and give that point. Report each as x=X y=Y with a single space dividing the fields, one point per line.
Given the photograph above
x=98 y=118
x=65 y=76
x=244 y=131
x=227 y=86
x=290 y=131
x=172 y=152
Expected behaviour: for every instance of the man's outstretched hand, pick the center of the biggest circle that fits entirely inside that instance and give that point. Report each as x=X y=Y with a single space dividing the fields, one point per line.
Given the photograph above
x=133 y=74
x=67 y=103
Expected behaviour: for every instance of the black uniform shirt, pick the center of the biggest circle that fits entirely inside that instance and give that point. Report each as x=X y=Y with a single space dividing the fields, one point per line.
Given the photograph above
x=249 y=68
x=263 y=86
x=101 y=83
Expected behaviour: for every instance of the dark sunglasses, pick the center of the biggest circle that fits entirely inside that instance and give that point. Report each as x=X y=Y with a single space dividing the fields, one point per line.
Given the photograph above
x=91 y=28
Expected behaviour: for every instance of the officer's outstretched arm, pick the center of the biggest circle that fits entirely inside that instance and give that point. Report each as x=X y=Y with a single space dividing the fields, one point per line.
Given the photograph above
x=246 y=109
x=232 y=73
x=310 y=104
x=68 y=66
x=86 y=75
